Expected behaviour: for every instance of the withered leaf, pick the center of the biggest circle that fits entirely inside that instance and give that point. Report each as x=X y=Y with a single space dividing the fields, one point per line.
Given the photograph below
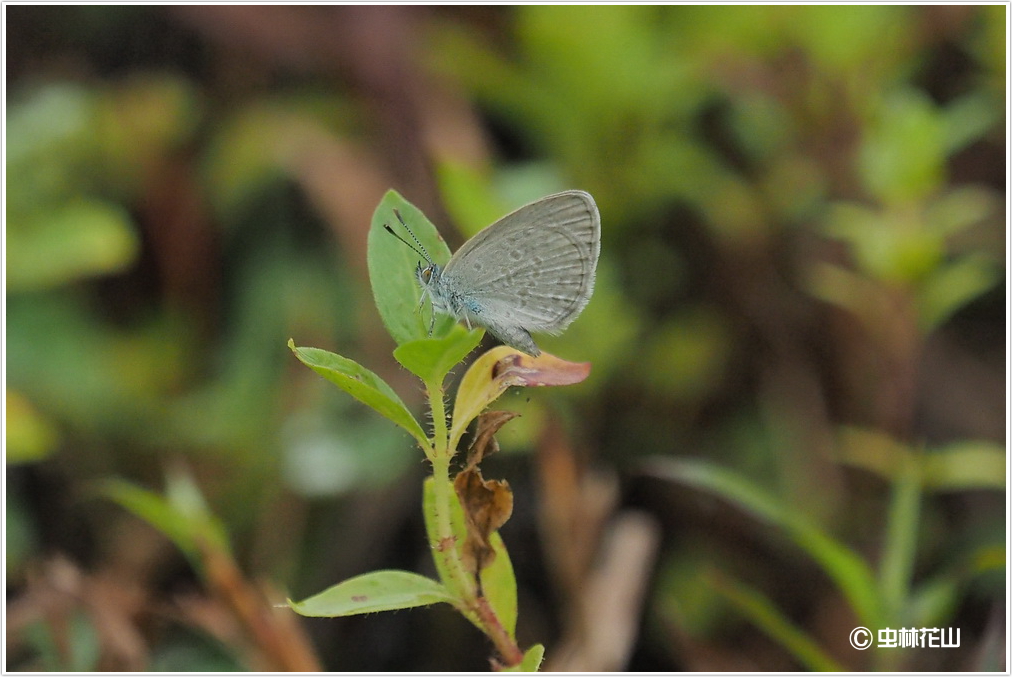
x=517 y=369
x=484 y=443
x=487 y=506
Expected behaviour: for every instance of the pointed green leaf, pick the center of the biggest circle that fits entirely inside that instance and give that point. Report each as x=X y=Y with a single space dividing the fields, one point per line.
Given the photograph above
x=968 y=464
x=68 y=242
x=375 y=591
x=902 y=154
x=988 y=559
x=851 y=574
x=362 y=384
x=767 y=617
x=874 y=451
x=959 y=208
x=952 y=285
x=181 y=515
x=499 y=585
x=432 y=359
x=934 y=601
x=531 y=661
x=392 y=269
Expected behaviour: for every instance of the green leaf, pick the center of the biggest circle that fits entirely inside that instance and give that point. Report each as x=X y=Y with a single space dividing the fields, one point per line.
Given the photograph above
x=181 y=515
x=243 y=156
x=375 y=591
x=989 y=559
x=479 y=387
x=81 y=239
x=767 y=617
x=957 y=209
x=902 y=157
x=968 y=118
x=392 y=269
x=30 y=435
x=965 y=465
x=362 y=384
x=969 y=464
x=874 y=451
x=842 y=42
x=887 y=245
x=432 y=359
x=499 y=585
x=531 y=660
x=850 y=573
x=837 y=286
x=952 y=286
x=899 y=549
x=933 y=602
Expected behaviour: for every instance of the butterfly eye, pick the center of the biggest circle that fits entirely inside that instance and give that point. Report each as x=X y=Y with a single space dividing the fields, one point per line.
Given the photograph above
x=426 y=274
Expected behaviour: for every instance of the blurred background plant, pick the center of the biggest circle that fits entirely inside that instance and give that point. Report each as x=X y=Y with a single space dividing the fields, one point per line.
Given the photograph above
x=795 y=417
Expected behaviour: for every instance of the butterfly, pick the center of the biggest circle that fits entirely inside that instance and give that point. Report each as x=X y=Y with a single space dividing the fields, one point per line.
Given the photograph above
x=532 y=271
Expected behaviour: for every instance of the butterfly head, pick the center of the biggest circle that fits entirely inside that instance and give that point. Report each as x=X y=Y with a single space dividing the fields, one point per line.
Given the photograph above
x=428 y=275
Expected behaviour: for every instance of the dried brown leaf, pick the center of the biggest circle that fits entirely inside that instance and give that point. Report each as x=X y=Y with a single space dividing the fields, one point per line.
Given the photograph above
x=487 y=506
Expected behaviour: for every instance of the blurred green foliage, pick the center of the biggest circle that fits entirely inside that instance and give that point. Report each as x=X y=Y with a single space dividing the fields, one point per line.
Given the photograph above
x=802 y=253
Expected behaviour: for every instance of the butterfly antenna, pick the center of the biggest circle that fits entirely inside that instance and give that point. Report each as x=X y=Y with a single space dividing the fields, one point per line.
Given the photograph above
x=419 y=249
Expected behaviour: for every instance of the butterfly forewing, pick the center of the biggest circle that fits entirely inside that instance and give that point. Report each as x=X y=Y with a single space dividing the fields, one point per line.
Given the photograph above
x=536 y=266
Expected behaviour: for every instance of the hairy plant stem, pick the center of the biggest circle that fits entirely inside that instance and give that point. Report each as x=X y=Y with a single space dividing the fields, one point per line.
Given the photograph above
x=462 y=584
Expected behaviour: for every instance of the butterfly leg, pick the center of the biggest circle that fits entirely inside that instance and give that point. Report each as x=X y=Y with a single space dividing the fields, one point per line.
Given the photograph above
x=432 y=319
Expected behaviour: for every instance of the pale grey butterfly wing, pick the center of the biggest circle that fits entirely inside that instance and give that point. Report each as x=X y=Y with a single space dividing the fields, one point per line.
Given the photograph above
x=532 y=270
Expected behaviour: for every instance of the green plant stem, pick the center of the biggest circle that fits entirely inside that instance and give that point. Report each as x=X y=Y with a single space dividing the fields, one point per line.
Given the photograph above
x=900 y=550
x=462 y=584
x=440 y=441
x=768 y=618
x=901 y=542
